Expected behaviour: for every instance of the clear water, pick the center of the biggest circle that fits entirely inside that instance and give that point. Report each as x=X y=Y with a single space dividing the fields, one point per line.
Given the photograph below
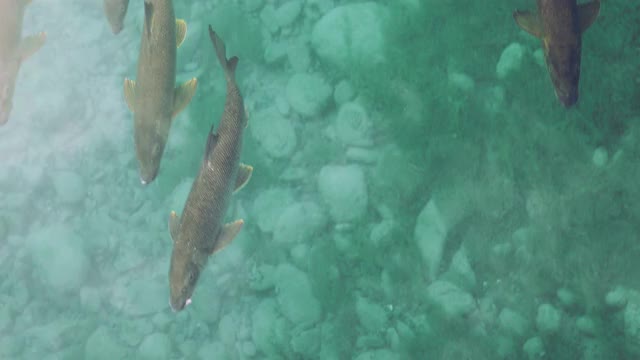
x=419 y=194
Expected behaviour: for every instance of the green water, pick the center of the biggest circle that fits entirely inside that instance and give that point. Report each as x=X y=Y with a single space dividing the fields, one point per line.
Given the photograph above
x=418 y=190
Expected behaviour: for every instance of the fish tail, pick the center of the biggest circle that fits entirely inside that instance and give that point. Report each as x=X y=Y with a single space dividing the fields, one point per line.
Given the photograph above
x=229 y=66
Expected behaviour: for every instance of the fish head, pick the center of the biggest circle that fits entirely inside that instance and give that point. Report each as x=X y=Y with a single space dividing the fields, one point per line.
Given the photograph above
x=567 y=96
x=183 y=277
x=566 y=87
x=115 y=10
x=563 y=64
x=149 y=149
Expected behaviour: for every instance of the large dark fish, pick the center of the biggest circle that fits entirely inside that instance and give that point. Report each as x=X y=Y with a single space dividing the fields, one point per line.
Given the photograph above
x=13 y=50
x=116 y=10
x=154 y=99
x=560 y=24
x=200 y=231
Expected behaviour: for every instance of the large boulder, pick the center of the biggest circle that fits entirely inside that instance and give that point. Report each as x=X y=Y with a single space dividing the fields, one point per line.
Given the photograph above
x=351 y=34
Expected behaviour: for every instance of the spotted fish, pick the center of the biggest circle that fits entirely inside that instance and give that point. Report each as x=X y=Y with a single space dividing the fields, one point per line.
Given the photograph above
x=153 y=98
x=200 y=231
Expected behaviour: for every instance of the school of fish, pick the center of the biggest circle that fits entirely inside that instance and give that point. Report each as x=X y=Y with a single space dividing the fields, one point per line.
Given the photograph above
x=155 y=101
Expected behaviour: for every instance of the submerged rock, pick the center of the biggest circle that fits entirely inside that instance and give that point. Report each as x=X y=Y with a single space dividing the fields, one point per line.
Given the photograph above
x=156 y=346
x=351 y=35
x=344 y=189
x=269 y=206
x=308 y=94
x=299 y=222
x=295 y=296
x=275 y=133
x=452 y=300
x=548 y=319
x=103 y=345
x=353 y=126
x=70 y=187
x=59 y=257
x=510 y=60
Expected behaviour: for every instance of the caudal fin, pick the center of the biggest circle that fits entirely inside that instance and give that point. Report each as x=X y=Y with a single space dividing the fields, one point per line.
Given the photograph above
x=229 y=66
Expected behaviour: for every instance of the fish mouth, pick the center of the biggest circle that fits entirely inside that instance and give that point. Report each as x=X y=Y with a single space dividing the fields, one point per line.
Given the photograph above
x=146 y=180
x=180 y=306
x=116 y=29
x=568 y=99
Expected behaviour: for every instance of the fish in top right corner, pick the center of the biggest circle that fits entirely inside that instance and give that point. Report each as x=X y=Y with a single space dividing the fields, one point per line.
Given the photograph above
x=560 y=25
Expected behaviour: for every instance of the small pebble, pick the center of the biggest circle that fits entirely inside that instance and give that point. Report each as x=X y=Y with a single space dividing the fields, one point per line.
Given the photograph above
x=600 y=157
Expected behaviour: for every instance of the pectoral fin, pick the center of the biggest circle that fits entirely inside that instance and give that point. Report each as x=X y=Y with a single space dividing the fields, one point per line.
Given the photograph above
x=529 y=22
x=587 y=13
x=130 y=93
x=182 y=96
x=174 y=225
x=181 y=31
x=228 y=233
x=30 y=44
x=244 y=174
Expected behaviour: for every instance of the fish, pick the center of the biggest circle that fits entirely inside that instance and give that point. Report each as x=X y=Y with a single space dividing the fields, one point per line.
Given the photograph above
x=560 y=25
x=14 y=49
x=200 y=231
x=116 y=10
x=153 y=97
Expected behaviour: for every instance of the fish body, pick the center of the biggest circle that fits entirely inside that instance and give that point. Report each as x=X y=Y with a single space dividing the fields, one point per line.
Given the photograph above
x=560 y=25
x=153 y=97
x=116 y=10
x=200 y=231
x=13 y=51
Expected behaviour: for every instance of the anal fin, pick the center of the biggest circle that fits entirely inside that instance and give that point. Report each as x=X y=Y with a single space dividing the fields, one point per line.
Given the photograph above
x=183 y=95
x=181 y=31
x=587 y=14
x=227 y=234
x=174 y=225
x=130 y=93
x=244 y=174
x=529 y=22
x=30 y=44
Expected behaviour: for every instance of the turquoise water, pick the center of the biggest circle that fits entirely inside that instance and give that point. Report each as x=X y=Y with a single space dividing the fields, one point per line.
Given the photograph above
x=418 y=190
